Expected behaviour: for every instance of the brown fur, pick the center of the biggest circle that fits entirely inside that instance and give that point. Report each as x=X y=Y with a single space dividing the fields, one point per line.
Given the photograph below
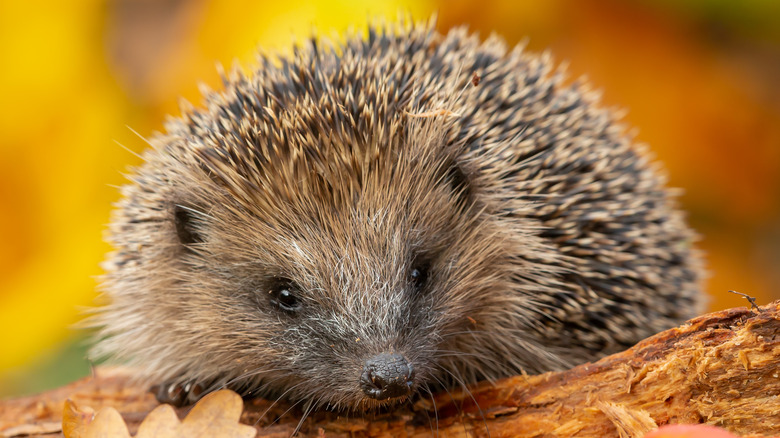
x=548 y=239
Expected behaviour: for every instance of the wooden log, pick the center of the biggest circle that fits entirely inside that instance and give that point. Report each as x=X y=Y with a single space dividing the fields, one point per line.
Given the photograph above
x=721 y=369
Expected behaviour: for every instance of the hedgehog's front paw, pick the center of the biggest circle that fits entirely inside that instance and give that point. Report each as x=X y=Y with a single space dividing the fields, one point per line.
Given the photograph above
x=178 y=393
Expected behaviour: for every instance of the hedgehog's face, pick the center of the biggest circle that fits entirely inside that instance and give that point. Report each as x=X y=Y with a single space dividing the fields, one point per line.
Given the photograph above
x=352 y=297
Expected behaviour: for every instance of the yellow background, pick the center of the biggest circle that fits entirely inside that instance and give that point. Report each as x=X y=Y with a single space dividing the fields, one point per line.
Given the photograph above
x=698 y=78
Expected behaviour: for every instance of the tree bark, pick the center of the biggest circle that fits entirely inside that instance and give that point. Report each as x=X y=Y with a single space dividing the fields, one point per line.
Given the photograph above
x=721 y=369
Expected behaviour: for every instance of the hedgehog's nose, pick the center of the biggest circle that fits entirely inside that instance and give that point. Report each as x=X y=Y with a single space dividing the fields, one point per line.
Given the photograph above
x=387 y=376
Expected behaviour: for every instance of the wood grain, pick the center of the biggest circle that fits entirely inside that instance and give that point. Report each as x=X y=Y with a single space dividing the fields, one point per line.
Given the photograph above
x=721 y=369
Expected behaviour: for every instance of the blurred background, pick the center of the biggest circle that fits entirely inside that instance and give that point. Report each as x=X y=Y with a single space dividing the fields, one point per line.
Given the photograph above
x=699 y=79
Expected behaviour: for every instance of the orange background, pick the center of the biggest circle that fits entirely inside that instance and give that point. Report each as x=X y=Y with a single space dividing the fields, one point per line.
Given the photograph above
x=698 y=78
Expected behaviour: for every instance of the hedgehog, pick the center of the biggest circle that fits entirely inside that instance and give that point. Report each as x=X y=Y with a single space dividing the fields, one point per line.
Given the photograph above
x=379 y=217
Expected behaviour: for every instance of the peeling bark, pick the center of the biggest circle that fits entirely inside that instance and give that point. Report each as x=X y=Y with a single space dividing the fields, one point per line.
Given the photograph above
x=721 y=369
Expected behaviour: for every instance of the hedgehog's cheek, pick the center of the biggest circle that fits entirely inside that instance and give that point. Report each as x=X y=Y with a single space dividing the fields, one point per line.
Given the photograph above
x=387 y=376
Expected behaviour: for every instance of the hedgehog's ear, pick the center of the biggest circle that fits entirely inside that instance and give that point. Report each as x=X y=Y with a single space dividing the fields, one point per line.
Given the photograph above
x=184 y=221
x=459 y=183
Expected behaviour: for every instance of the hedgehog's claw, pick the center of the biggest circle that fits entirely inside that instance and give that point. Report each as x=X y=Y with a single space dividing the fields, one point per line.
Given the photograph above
x=178 y=393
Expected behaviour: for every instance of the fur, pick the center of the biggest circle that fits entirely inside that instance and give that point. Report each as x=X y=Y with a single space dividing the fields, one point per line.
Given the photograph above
x=548 y=238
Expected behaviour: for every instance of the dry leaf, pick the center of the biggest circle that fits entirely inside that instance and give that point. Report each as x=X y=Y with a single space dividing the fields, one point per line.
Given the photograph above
x=74 y=419
x=216 y=415
x=48 y=427
x=108 y=423
x=161 y=422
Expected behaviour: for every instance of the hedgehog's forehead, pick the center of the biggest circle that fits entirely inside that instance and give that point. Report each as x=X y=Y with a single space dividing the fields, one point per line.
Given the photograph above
x=296 y=161
x=347 y=251
x=375 y=203
x=362 y=202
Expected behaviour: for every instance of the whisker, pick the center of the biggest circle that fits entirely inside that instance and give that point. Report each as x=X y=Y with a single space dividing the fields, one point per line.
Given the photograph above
x=453 y=353
x=306 y=412
x=435 y=409
x=285 y=412
x=466 y=389
x=452 y=399
x=277 y=401
x=249 y=374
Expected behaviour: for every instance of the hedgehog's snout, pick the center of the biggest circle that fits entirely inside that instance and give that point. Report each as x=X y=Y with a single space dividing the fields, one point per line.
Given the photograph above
x=387 y=375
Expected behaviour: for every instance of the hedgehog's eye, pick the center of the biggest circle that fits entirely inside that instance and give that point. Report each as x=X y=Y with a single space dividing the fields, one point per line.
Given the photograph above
x=418 y=275
x=284 y=296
